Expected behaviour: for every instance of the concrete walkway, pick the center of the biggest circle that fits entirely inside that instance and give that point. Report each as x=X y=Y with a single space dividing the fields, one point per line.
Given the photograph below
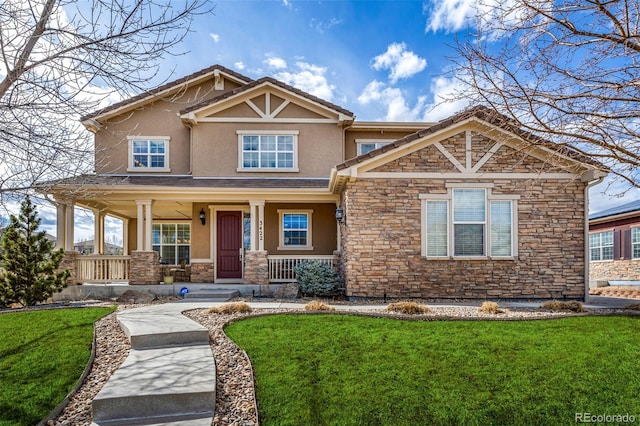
x=170 y=375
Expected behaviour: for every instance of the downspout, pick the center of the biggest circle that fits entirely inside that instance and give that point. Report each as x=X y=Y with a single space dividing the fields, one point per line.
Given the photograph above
x=587 y=250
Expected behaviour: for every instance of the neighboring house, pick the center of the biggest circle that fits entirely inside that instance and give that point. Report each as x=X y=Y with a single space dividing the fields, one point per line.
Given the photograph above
x=614 y=240
x=246 y=178
x=88 y=247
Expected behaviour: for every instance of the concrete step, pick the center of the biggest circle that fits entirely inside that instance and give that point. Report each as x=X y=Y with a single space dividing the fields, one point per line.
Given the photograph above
x=160 y=386
x=147 y=330
x=217 y=294
x=169 y=421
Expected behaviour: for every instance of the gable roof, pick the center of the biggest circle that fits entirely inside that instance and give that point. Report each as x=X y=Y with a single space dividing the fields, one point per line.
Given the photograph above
x=633 y=206
x=487 y=115
x=264 y=81
x=167 y=87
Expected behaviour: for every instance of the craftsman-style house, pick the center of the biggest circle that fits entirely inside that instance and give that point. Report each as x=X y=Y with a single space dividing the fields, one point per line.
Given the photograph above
x=237 y=180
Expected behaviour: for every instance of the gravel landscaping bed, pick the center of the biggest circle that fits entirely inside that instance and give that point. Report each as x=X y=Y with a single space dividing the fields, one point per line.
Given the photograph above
x=235 y=393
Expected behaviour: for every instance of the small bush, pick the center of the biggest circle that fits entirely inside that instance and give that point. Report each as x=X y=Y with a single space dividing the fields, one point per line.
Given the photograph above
x=315 y=305
x=410 y=308
x=317 y=279
x=231 y=308
x=556 y=305
x=633 y=307
x=490 y=308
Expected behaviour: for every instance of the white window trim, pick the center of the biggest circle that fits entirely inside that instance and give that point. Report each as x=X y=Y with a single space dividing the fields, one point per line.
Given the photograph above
x=281 y=213
x=449 y=198
x=604 y=231
x=174 y=222
x=166 y=139
x=632 y=228
x=294 y=133
x=381 y=142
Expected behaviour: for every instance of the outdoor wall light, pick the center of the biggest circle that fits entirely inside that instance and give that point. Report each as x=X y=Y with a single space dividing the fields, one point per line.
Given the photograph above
x=339 y=215
x=203 y=217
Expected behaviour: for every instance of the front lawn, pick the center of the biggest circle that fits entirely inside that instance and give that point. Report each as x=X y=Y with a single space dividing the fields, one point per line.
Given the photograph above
x=350 y=370
x=42 y=355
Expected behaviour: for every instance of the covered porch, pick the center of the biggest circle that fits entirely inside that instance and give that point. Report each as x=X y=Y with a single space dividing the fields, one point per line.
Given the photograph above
x=242 y=236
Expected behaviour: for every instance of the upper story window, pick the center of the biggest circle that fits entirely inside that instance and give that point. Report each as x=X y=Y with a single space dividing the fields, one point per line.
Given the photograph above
x=149 y=153
x=368 y=145
x=635 y=243
x=268 y=151
x=469 y=223
x=601 y=246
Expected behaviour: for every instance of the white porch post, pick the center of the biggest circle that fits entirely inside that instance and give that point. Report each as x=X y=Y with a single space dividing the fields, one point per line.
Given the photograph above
x=147 y=227
x=98 y=231
x=61 y=222
x=144 y=225
x=125 y=236
x=257 y=225
x=261 y=226
x=69 y=238
x=140 y=226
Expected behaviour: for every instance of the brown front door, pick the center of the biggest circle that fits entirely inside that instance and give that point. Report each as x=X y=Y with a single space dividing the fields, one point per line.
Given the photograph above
x=229 y=242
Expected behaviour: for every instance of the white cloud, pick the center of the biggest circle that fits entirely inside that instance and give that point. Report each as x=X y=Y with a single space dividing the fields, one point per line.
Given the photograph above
x=450 y=15
x=239 y=65
x=393 y=100
x=401 y=62
x=215 y=37
x=275 y=62
x=445 y=100
x=322 y=26
x=309 y=78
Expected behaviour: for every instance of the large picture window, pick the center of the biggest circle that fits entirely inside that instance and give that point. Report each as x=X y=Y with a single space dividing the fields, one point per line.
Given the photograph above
x=295 y=229
x=469 y=223
x=148 y=154
x=172 y=241
x=268 y=151
x=601 y=246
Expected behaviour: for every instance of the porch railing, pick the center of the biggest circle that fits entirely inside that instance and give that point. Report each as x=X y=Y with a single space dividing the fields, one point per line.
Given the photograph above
x=102 y=269
x=281 y=267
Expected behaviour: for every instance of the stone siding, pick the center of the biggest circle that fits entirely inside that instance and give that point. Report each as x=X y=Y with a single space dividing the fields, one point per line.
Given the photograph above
x=144 y=268
x=69 y=263
x=256 y=268
x=381 y=243
x=202 y=272
x=622 y=270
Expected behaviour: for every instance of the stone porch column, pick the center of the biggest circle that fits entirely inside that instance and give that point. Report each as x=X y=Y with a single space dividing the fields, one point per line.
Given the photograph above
x=144 y=268
x=256 y=268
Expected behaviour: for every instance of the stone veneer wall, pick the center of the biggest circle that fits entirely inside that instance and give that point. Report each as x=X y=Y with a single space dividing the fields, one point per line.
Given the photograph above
x=381 y=243
x=202 y=272
x=69 y=262
x=143 y=268
x=615 y=270
x=256 y=268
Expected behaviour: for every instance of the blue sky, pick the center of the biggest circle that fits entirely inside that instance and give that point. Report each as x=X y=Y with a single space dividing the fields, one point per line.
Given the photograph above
x=383 y=60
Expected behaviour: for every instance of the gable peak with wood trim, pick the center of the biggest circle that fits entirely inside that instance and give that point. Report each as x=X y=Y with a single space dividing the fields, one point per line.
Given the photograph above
x=476 y=144
x=267 y=100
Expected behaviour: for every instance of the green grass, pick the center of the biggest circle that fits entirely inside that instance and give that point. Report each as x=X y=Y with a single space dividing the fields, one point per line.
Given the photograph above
x=42 y=355
x=349 y=370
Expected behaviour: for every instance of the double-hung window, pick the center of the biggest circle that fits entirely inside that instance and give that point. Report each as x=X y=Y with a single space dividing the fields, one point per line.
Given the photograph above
x=148 y=153
x=601 y=245
x=268 y=151
x=469 y=223
x=295 y=229
x=635 y=243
